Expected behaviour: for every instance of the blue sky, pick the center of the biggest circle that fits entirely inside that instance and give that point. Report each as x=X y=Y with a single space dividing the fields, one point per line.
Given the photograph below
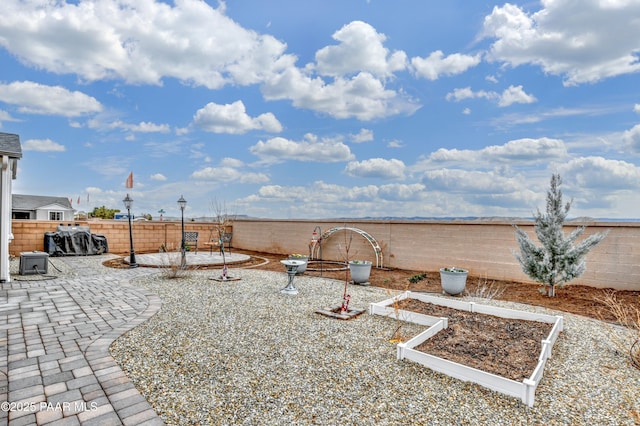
x=292 y=109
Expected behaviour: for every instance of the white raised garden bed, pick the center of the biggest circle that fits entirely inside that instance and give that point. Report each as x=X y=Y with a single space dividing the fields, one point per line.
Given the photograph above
x=524 y=390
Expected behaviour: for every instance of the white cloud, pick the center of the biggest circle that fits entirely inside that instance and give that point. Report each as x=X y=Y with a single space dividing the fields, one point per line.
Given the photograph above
x=228 y=174
x=139 y=42
x=636 y=108
x=600 y=173
x=376 y=168
x=310 y=150
x=526 y=150
x=405 y=192
x=349 y=80
x=436 y=64
x=365 y=135
x=471 y=181
x=509 y=120
x=232 y=162
x=142 y=127
x=511 y=95
x=363 y=96
x=361 y=49
x=515 y=95
x=569 y=38
x=359 y=201
x=233 y=119
x=144 y=42
x=158 y=177
x=5 y=116
x=42 y=145
x=542 y=150
x=395 y=144
x=35 y=98
x=463 y=93
x=632 y=138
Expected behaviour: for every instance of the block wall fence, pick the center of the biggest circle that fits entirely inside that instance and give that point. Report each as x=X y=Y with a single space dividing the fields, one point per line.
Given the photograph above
x=485 y=248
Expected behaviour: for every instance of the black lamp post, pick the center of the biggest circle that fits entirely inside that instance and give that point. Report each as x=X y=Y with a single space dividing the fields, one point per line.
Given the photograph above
x=128 y=201
x=182 y=203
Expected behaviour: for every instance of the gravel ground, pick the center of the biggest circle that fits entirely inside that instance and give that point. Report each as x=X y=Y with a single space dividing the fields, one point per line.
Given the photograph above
x=243 y=353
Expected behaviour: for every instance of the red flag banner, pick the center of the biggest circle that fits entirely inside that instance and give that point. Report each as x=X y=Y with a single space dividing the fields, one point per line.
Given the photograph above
x=130 y=180
x=78 y=203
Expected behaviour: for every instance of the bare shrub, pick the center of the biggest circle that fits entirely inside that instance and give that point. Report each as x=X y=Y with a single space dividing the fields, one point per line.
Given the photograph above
x=486 y=290
x=626 y=344
x=172 y=266
x=397 y=336
x=627 y=315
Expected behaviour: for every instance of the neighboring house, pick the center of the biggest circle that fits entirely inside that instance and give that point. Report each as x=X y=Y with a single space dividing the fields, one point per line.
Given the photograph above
x=41 y=207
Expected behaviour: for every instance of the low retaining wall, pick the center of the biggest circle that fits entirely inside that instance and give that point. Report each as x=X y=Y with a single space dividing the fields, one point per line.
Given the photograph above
x=485 y=248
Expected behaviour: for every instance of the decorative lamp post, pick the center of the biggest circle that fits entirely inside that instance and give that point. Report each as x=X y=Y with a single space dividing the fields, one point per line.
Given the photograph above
x=128 y=202
x=182 y=203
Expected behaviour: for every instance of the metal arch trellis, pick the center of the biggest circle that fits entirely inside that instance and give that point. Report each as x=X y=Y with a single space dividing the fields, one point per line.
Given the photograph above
x=316 y=243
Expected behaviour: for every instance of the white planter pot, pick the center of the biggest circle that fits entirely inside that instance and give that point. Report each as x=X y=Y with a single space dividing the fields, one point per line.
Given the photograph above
x=301 y=268
x=453 y=282
x=360 y=271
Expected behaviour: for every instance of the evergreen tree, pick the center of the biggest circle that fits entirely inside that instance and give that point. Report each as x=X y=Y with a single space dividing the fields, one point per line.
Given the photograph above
x=558 y=260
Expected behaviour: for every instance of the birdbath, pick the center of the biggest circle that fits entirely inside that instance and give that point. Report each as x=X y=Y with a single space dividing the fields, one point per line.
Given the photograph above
x=292 y=269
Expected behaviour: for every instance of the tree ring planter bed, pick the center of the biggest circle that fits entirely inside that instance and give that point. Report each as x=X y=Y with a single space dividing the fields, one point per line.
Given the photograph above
x=524 y=390
x=336 y=312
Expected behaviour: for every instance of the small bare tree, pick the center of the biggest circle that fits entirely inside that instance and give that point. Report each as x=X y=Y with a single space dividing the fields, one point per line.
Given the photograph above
x=344 y=252
x=222 y=221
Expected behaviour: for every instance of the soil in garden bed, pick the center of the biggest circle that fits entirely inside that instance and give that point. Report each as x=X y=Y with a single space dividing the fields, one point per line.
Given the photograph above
x=506 y=347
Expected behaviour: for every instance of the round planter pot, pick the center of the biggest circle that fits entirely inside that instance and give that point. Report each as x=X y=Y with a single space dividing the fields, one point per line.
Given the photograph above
x=301 y=268
x=360 y=271
x=453 y=282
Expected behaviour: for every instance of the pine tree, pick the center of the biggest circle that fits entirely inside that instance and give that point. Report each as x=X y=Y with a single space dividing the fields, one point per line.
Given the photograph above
x=557 y=260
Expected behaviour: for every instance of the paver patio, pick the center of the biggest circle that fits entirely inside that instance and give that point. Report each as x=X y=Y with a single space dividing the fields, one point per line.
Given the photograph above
x=55 y=366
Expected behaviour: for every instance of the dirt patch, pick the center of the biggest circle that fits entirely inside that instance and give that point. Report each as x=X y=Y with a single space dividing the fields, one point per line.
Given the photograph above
x=506 y=347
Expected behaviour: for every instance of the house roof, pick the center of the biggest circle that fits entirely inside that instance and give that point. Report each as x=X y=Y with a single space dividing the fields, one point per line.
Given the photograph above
x=34 y=202
x=10 y=145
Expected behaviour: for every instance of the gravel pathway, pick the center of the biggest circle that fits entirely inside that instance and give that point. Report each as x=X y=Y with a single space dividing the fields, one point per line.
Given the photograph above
x=243 y=353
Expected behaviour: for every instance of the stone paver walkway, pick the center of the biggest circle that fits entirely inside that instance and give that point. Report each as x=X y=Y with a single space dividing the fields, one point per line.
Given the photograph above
x=55 y=366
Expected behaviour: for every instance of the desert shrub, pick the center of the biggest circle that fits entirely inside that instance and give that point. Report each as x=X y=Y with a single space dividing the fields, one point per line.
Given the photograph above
x=626 y=344
x=417 y=278
x=627 y=315
x=172 y=266
x=486 y=290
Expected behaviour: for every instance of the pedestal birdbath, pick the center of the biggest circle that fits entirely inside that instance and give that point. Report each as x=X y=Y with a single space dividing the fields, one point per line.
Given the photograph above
x=292 y=269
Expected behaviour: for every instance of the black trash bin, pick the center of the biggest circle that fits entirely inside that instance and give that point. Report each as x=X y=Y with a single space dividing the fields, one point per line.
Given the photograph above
x=49 y=243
